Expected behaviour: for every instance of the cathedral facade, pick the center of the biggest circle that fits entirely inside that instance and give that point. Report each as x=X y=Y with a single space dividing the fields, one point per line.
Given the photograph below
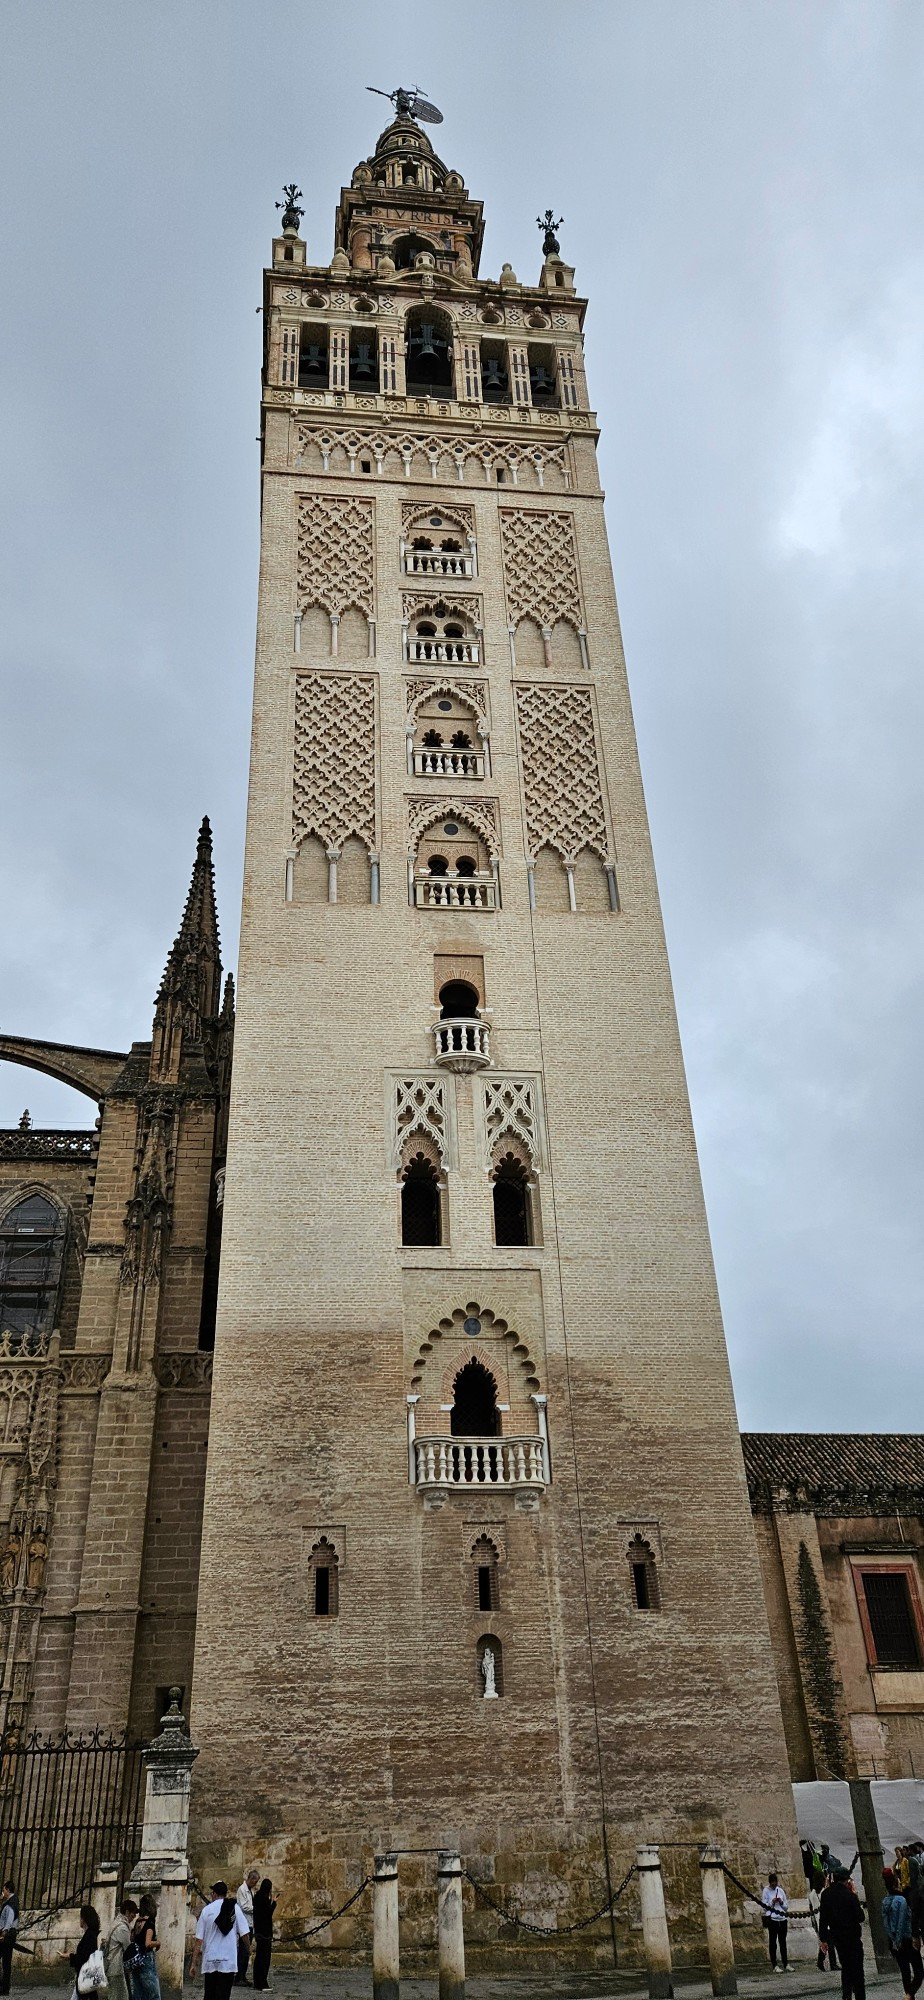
x=442 y=1521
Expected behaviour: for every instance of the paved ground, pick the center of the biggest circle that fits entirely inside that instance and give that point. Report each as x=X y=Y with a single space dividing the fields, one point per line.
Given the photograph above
x=803 y=1983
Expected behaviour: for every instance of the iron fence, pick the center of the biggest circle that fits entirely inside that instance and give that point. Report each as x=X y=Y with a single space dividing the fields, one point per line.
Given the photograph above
x=67 y=1803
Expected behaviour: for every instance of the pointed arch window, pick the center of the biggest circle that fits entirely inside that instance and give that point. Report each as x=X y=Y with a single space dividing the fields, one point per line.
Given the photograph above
x=421 y=1202
x=32 y=1239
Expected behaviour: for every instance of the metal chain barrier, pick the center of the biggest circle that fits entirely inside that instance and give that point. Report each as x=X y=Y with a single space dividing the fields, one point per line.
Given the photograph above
x=313 y=1930
x=791 y=1916
x=542 y=1930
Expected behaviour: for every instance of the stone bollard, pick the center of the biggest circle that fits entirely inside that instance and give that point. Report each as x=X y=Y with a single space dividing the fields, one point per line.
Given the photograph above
x=103 y=1894
x=655 y=1933
x=386 y=1974
x=718 y=1929
x=449 y=1927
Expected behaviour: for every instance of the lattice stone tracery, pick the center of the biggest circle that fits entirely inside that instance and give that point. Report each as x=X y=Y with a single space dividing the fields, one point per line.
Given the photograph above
x=333 y=789
x=446 y=457
x=540 y=566
x=335 y=553
x=511 y=1111
x=561 y=772
x=420 y=1109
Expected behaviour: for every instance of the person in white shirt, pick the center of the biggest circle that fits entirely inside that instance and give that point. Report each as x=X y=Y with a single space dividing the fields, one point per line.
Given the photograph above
x=222 y=1925
x=245 y=1905
x=775 y=1905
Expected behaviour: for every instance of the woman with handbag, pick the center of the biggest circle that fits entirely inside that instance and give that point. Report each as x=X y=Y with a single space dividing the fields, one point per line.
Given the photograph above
x=115 y=1947
x=87 y=1960
x=140 y=1962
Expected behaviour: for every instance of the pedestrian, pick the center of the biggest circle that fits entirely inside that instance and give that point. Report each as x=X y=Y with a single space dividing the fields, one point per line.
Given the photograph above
x=840 y=1922
x=221 y=1926
x=775 y=1905
x=115 y=1946
x=916 y=1890
x=88 y=1944
x=896 y=1917
x=263 y=1907
x=827 y=1861
x=142 y=1964
x=245 y=1905
x=9 y=1920
x=827 y=1952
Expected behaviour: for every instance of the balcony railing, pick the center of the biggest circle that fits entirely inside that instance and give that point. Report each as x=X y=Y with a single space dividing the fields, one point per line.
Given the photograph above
x=462 y=1045
x=455 y=892
x=448 y=764
x=445 y=652
x=515 y=1461
x=432 y=562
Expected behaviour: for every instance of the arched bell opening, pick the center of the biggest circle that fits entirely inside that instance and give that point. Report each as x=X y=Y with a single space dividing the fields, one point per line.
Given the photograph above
x=428 y=352
x=474 y=1407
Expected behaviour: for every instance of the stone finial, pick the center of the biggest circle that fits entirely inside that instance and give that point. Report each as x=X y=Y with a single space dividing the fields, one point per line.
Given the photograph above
x=291 y=213
x=508 y=275
x=547 y=223
x=340 y=264
x=25 y=1123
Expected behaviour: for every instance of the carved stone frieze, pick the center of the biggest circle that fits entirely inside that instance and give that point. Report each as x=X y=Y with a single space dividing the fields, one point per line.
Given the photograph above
x=183 y=1370
x=84 y=1371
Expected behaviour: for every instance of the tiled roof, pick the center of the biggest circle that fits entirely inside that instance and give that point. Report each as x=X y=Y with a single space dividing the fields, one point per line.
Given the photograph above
x=845 y=1472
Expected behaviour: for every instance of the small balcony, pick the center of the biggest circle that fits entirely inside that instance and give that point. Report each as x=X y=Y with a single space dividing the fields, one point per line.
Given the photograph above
x=448 y=764
x=437 y=562
x=462 y=1045
x=444 y=652
x=456 y=892
x=515 y=1461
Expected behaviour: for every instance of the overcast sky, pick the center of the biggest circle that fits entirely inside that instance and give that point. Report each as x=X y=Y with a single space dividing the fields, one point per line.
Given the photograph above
x=743 y=193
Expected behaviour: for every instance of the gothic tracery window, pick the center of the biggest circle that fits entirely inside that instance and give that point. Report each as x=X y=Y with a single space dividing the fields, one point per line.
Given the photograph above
x=32 y=1237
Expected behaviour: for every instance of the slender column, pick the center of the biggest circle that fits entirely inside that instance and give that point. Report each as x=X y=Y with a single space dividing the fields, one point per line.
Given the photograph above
x=449 y=1927
x=374 y=878
x=371 y=624
x=572 y=897
x=612 y=887
x=495 y=870
x=540 y=1403
x=410 y=752
x=547 y=644
x=718 y=1929
x=512 y=635
x=333 y=856
x=385 y=1940
x=297 y=637
x=290 y=875
x=870 y=1851
x=531 y=881
x=412 y=1403
x=582 y=642
x=655 y=1933
x=334 y=634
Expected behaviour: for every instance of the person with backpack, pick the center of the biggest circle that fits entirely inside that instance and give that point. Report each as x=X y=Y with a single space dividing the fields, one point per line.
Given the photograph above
x=221 y=1923
x=140 y=1962
x=115 y=1946
x=896 y=1917
x=840 y=1923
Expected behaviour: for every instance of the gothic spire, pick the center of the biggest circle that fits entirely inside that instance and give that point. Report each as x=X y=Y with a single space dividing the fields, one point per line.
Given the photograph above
x=190 y=988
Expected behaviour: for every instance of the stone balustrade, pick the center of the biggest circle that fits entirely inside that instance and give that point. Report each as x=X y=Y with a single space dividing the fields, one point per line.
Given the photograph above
x=462 y=1045
x=455 y=892
x=433 y=562
x=448 y=764
x=444 y=652
x=457 y=1461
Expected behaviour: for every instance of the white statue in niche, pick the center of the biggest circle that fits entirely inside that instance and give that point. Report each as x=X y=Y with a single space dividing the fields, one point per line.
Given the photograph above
x=487 y=1668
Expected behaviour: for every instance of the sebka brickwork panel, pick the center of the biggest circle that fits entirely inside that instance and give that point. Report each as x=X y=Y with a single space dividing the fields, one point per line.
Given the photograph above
x=561 y=771
x=333 y=786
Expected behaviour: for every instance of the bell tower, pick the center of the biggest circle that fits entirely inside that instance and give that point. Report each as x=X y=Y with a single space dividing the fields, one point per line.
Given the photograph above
x=478 y=1563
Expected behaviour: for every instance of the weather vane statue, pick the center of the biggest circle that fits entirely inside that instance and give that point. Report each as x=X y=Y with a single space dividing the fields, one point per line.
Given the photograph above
x=410 y=104
x=291 y=213
x=547 y=223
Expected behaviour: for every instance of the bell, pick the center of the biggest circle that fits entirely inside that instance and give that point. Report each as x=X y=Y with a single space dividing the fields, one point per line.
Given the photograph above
x=314 y=359
x=363 y=363
x=541 y=382
x=424 y=342
x=494 y=376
